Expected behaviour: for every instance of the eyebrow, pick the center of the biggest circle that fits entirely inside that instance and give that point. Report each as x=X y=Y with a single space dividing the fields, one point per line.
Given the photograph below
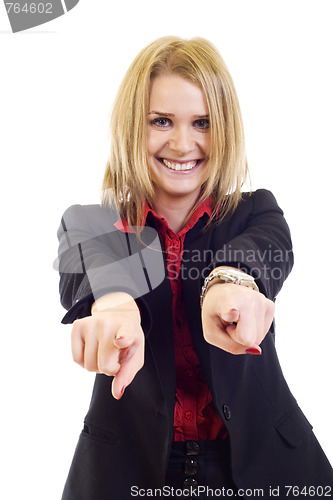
x=160 y=113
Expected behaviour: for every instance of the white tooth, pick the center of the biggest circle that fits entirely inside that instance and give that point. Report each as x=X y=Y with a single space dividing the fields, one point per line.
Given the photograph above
x=189 y=165
x=180 y=166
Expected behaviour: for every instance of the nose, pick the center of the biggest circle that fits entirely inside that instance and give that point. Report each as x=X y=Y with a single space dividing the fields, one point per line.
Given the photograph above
x=181 y=140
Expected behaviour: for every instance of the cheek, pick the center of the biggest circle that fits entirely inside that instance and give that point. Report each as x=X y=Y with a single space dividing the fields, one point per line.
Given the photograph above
x=152 y=142
x=205 y=145
x=156 y=141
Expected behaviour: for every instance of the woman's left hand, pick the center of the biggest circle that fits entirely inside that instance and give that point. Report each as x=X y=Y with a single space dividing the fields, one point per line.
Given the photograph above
x=236 y=318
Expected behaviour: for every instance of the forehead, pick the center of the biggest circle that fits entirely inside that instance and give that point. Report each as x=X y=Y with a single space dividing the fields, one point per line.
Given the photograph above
x=173 y=94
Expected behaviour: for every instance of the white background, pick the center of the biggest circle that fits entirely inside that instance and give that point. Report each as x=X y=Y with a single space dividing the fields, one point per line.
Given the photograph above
x=57 y=85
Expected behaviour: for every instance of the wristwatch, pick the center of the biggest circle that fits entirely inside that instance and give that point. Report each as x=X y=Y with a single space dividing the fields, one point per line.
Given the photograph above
x=227 y=275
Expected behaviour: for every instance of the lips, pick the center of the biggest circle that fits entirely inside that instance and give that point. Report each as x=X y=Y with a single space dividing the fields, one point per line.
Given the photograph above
x=183 y=166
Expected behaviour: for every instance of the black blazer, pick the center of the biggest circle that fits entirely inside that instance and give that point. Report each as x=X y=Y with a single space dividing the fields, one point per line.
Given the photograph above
x=126 y=443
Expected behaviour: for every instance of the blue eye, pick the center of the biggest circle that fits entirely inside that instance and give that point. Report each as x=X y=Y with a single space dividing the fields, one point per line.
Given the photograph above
x=203 y=123
x=161 y=122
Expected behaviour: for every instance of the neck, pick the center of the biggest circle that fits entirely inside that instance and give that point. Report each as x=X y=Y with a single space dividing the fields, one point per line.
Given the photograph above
x=175 y=212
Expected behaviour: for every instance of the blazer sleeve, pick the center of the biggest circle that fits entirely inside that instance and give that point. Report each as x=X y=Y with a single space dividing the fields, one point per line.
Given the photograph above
x=262 y=245
x=95 y=258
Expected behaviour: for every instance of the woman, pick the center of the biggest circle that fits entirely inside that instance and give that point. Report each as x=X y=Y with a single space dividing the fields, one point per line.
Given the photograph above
x=171 y=286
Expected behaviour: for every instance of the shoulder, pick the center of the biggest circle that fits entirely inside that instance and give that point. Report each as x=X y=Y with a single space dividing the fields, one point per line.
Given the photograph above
x=259 y=200
x=256 y=208
x=255 y=204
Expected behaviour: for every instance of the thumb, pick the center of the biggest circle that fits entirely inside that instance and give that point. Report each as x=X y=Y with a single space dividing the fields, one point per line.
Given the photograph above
x=231 y=316
x=125 y=337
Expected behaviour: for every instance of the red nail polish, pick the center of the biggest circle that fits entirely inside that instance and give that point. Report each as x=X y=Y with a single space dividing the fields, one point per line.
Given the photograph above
x=253 y=350
x=122 y=391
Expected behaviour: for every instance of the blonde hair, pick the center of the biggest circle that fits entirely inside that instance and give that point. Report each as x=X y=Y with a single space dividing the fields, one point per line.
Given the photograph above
x=127 y=183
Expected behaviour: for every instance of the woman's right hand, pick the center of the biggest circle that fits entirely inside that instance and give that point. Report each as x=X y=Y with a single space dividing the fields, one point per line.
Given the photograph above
x=111 y=340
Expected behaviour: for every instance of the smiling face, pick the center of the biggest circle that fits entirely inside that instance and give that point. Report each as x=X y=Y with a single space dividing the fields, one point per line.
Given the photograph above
x=178 y=139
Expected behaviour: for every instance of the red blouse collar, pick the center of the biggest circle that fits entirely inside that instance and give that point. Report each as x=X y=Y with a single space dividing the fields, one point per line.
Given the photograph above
x=204 y=207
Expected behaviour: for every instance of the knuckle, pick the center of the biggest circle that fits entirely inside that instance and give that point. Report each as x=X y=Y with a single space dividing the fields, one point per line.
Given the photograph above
x=107 y=369
x=77 y=355
x=90 y=367
x=77 y=322
x=107 y=364
x=77 y=359
x=77 y=351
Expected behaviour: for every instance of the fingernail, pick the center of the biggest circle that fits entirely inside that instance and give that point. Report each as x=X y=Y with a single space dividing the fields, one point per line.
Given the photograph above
x=122 y=391
x=253 y=350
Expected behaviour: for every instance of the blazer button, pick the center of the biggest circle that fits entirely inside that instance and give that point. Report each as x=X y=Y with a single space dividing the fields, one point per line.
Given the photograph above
x=190 y=482
x=190 y=467
x=227 y=412
x=192 y=448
